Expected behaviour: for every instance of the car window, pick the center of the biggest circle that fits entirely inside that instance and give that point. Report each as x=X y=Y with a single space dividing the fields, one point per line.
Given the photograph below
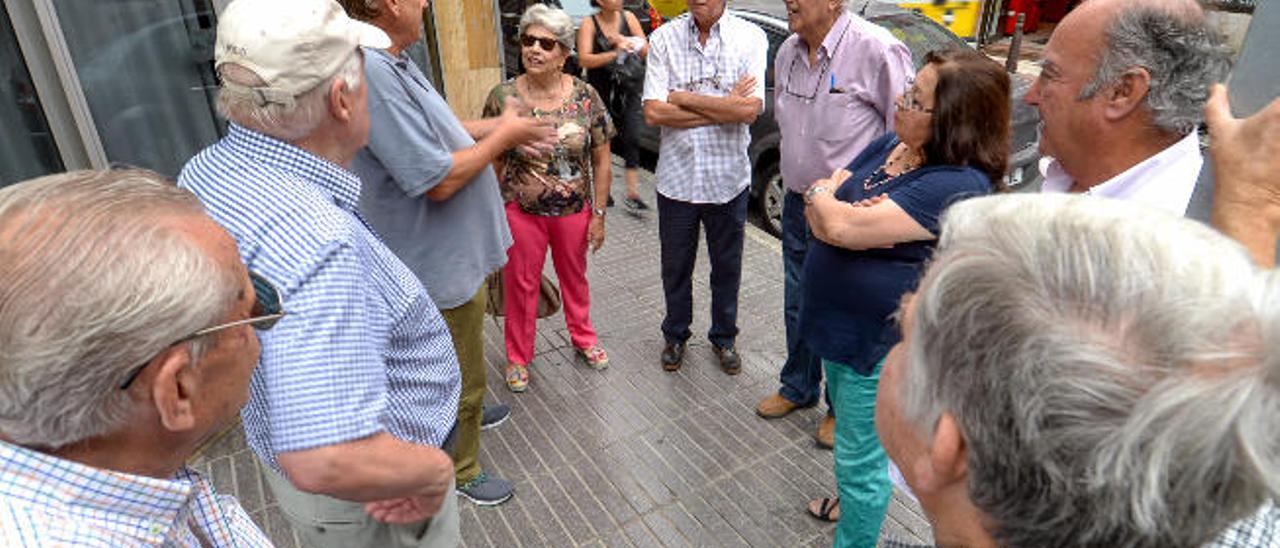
x=919 y=34
x=776 y=38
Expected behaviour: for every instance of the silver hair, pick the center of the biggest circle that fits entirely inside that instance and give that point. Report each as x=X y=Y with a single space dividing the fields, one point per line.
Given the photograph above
x=555 y=20
x=94 y=282
x=1183 y=55
x=287 y=123
x=1115 y=370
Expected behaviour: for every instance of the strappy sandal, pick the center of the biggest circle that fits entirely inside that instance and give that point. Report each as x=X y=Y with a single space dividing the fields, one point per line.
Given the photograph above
x=826 y=506
x=517 y=377
x=595 y=357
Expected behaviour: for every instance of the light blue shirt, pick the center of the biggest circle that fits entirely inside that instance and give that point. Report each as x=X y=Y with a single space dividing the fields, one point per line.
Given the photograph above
x=451 y=245
x=362 y=350
x=48 y=501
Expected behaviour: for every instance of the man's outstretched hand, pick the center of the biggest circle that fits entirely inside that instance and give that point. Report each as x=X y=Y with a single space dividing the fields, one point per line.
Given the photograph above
x=1246 y=159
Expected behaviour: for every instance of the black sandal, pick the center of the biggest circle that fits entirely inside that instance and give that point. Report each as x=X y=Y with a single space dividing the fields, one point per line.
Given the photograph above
x=824 y=509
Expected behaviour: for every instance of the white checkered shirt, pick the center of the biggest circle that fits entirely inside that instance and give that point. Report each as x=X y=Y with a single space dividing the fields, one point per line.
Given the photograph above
x=706 y=164
x=48 y=501
x=363 y=349
x=1261 y=530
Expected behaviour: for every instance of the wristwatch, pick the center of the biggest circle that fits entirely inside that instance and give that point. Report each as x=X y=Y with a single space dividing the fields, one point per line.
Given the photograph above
x=598 y=212
x=814 y=191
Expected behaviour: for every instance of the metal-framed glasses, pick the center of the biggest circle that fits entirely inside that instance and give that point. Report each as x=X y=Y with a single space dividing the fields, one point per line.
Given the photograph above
x=909 y=101
x=817 y=82
x=267 y=310
x=823 y=72
x=705 y=83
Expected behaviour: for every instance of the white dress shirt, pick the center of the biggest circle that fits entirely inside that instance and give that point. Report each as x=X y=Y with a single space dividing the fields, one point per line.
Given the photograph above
x=1165 y=180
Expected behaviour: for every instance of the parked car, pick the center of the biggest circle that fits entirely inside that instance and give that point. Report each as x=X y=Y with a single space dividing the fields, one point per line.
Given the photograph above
x=511 y=10
x=921 y=35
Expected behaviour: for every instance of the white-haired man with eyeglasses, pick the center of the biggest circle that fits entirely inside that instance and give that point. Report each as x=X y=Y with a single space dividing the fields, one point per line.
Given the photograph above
x=126 y=343
x=355 y=399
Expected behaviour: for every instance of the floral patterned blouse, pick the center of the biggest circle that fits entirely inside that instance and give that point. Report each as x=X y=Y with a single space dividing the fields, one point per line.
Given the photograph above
x=556 y=183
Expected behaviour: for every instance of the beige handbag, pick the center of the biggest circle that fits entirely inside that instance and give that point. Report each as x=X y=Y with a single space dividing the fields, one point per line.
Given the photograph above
x=548 y=296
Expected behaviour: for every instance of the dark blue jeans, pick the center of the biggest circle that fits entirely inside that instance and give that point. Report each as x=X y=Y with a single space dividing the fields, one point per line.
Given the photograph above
x=801 y=375
x=678 y=225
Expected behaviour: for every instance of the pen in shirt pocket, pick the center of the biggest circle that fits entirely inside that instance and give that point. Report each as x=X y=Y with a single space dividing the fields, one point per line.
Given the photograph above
x=833 y=88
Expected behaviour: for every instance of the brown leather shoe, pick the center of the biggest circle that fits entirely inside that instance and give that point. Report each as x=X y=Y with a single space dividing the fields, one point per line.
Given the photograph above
x=774 y=406
x=826 y=435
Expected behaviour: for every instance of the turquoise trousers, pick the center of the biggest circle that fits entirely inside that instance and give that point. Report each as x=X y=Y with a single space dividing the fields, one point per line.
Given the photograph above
x=861 y=468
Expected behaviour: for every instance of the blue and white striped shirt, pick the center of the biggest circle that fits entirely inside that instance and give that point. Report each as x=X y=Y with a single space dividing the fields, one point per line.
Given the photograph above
x=363 y=349
x=48 y=501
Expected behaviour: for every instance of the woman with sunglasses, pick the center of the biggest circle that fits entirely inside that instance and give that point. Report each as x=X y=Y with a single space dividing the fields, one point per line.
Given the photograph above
x=876 y=222
x=607 y=42
x=554 y=199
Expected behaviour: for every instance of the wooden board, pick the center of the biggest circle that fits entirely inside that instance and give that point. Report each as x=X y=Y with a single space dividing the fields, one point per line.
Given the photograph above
x=469 y=55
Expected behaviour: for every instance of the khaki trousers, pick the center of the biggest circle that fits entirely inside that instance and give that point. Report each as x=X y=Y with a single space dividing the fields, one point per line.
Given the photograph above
x=466 y=326
x=326 y=522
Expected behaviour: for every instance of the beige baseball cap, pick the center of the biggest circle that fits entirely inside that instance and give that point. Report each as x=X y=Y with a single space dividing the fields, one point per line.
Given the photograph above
x=293 y=45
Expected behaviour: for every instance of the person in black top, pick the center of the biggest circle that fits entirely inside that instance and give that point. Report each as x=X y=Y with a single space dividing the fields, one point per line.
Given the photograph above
x=611 y=45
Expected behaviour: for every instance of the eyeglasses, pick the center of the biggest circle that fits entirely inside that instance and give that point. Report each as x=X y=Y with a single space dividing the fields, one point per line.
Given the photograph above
x=822 y=71
x=547 y=44
x=267 y=310
x=791 y=79
x=908 y=101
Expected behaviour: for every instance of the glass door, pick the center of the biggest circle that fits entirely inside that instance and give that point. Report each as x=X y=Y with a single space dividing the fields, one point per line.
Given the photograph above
x=27 y=148
x=146 y=70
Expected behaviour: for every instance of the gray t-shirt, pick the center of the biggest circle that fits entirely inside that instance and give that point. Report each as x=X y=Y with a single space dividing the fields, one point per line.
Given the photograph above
x=450 y=245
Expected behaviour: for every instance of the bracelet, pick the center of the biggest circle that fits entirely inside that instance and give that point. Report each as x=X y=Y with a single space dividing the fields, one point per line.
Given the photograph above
x=813 y=191
x=598 y=212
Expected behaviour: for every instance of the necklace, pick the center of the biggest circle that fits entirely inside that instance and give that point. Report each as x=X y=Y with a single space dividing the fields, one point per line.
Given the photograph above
x=555 y=96
x=881 y=177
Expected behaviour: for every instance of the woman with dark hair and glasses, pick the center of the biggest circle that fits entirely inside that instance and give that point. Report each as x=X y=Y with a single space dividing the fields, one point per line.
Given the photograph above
x=611 y=46
x=876 y=222
x=554 y=199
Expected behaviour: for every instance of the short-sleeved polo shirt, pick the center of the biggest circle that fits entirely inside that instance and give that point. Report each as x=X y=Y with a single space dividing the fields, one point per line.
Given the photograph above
x=450 y=245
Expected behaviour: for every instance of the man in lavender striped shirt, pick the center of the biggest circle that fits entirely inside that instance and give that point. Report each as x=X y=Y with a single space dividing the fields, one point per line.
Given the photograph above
x=836 y=79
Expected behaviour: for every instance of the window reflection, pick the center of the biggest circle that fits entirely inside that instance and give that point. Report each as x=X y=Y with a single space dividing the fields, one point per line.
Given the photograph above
x=146 y=67
x=26 y=146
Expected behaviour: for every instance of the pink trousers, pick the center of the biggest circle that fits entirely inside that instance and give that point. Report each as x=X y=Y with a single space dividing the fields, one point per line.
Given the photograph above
x=567 y=237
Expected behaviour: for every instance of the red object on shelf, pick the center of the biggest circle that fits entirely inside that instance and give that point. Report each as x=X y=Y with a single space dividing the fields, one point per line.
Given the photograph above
x=1013 y=8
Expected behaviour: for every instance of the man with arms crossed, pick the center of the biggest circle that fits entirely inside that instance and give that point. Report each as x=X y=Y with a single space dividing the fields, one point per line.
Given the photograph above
x=704 y=85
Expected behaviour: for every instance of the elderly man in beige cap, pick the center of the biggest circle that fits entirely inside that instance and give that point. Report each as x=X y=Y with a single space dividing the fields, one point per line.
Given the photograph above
x=354 y=401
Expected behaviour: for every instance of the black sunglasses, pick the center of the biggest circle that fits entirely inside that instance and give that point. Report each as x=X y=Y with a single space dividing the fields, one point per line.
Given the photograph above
x=267 y=310
x=547 y=44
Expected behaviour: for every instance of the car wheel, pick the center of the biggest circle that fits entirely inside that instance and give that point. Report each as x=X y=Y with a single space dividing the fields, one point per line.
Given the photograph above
x=770 y=199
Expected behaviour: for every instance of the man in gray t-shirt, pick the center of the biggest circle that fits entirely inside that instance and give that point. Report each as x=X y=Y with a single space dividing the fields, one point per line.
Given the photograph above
x=430 y=193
